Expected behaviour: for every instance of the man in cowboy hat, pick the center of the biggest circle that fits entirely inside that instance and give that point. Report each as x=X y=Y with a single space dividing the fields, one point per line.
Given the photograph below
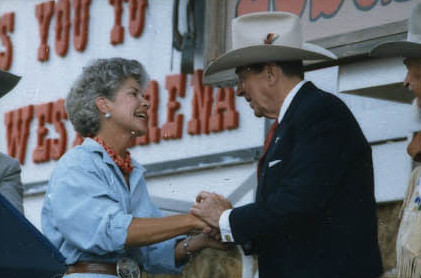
x=315 y=212
x=409 y=237
x=10 y=184
x=410 y=51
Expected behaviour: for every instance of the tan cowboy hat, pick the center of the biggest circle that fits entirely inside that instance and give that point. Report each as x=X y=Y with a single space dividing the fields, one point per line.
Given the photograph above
x=264 y=37
x=411 y=47
x=7 y=82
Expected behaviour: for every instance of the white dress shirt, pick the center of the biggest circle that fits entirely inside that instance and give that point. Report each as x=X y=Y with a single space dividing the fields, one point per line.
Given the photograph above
x=224 y=224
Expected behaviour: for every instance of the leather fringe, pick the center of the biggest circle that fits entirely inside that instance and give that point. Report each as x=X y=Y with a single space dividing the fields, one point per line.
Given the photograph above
x=409 y=266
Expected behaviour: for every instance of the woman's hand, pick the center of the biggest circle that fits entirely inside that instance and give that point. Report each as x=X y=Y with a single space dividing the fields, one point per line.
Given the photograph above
x=200 y=241
x=193 y=244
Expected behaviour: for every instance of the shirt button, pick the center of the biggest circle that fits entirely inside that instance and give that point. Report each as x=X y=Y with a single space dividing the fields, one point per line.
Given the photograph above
x=227 y=237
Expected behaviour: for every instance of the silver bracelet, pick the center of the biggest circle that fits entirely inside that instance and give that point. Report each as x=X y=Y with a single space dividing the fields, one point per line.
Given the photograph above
x=186 y=242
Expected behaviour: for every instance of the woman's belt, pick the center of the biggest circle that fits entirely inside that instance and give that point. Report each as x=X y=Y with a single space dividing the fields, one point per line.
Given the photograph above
x=92 y=267
x=124 y=268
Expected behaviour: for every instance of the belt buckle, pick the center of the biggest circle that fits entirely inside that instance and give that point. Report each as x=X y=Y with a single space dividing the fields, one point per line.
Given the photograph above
x=128 y=268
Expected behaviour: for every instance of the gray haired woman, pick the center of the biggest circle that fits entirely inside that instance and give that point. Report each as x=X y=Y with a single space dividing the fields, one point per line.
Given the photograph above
x=97 y=210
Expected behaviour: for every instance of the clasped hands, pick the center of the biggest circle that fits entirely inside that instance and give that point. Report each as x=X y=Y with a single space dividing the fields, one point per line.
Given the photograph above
x=209 y=207
x=205 y=213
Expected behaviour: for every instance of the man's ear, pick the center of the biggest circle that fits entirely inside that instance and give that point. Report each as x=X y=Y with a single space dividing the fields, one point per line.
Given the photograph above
x=103 y=104
x=272 y=73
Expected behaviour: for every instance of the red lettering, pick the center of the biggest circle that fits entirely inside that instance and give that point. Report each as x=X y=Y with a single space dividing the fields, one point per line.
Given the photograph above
x=175 y=84
x=324 y=8
x=154 y=132
x=17 y=127
x=62 y=27
x=365 y=4
x=117 y=33
x=295 y=7
x=137 y=16
x=201 y=106
x=42 y=151
x=224 y=115
x=44 y=13
x=80 y=24
x=48 y=149
x=58 y=146
x=7 y=24
x=252 y=6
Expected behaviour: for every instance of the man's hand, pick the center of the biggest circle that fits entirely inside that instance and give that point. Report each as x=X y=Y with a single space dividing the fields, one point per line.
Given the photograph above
x=209 y=207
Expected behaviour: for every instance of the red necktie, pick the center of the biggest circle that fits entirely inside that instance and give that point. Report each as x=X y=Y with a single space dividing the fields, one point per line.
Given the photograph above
x=268 y=139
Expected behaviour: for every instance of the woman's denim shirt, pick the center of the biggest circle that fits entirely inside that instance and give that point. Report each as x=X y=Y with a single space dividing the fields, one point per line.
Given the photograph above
x=88 y=209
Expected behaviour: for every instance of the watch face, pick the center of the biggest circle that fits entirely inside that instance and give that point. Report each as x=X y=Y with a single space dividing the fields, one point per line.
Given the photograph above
x=128 y=268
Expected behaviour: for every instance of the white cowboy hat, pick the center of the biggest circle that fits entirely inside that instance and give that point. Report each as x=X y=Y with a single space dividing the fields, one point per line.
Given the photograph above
x=264 y=37
x=7 y=82
x=411 y=47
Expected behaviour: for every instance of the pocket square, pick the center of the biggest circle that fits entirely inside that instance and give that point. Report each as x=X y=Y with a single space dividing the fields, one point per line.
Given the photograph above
x=272 y=163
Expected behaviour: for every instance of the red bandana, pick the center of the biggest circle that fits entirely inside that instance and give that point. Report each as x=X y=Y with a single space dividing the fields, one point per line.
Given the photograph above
x=125 y=164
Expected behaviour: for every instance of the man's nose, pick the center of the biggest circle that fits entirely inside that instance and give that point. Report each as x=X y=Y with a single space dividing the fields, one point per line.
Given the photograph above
x=406 y=81
x=239 y=93
x=240 y=89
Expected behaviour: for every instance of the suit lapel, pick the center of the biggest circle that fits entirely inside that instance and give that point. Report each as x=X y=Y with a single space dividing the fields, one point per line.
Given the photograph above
x=280 y=133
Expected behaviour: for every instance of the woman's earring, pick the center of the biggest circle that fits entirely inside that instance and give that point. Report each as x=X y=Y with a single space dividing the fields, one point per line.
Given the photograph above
x=107 y=115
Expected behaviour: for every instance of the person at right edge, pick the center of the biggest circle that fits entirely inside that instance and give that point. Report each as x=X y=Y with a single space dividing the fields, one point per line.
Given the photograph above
x=315 y=212
x=408 y=244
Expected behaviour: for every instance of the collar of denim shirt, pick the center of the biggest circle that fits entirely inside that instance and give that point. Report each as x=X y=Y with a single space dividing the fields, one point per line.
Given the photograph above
x=136 y=175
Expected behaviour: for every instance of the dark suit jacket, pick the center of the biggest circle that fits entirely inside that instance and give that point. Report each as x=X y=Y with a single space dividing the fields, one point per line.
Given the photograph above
x=315 y=212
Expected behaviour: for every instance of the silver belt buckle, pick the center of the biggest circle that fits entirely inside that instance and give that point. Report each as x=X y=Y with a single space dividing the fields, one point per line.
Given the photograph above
x=128 y=268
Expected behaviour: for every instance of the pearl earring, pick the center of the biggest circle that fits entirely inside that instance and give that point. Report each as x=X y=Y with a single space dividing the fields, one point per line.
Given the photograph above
x=107 y=115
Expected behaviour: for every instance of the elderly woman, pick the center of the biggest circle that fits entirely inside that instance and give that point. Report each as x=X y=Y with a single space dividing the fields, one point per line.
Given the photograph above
x=97 y=210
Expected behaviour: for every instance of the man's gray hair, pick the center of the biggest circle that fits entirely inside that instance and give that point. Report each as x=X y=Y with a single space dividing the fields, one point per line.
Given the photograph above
x=101 y=78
